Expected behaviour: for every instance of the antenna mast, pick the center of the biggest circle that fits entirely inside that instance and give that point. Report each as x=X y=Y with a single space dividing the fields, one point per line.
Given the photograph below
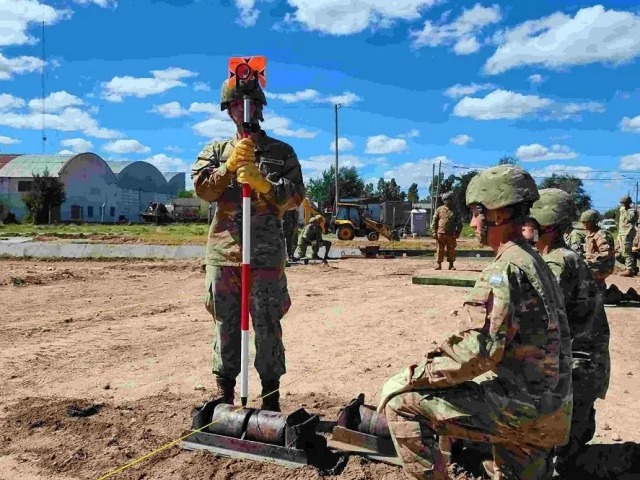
x=44 y=134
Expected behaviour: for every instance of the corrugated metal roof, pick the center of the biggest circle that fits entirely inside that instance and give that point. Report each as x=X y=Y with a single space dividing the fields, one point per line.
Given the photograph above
x=117 y=166
x=4 y=159
x=25 y=166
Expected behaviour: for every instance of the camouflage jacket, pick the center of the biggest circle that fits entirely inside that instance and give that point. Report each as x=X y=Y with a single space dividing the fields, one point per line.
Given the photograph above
x=587 y=318
x=212 y=182
x=600 y=253
x=446 y=221
x=627 y=222
x=575 y=240
x=312 y=232
x=515 y=339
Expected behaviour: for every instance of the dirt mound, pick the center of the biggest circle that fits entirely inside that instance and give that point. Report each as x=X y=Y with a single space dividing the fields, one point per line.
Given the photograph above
x=37 y=277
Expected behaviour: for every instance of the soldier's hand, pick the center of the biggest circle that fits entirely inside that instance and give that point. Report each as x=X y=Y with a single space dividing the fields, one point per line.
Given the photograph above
x=250 y=174
x=243 y=153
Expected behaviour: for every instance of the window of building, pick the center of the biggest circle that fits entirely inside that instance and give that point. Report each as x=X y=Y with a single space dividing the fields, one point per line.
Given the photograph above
x=24 y=186
x=112 y=211
x=90 y=211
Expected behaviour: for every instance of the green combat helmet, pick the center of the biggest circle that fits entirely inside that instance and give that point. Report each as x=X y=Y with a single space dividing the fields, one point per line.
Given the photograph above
x=625 y=199
x=555 y=207
x=228 y=94
x=501 y=186
x=590 y=216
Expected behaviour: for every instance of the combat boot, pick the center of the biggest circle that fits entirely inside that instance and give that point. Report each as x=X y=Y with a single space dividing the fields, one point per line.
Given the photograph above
x=226 y=389
x=271 y=396
x=626 y=273
x=451 y=267
x=439 y=267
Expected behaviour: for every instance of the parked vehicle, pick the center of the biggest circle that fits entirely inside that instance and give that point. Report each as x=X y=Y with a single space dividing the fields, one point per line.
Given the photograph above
x=607 y=224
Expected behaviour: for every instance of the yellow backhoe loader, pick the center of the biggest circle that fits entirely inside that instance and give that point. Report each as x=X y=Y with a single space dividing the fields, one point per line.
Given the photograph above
x=351 y=221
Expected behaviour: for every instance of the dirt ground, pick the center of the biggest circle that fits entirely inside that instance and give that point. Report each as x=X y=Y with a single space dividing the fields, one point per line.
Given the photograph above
x=134 y=338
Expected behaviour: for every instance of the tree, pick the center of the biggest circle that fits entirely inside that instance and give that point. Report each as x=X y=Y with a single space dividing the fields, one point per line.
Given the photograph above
x=459 y=194
x=389 y=191
x=186 y=194
x=507 y=160
x=570 y=184
x=613 y=213
x=412 y=194
x=323 y=191
x=446 y=184
x=47 y=192
x=369 y=190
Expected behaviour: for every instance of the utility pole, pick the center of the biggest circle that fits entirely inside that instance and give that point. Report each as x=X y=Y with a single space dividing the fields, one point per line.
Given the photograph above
x=431 y=190
x=44 y=134
x=439 y=173
x=335 y=109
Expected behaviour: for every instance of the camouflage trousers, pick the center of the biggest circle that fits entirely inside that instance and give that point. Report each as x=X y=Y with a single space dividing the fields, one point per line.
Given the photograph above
x=269 y=302
x=625 y=243
x=419 y=419
x=290 y=233
x=301 y=251
x=449 y=243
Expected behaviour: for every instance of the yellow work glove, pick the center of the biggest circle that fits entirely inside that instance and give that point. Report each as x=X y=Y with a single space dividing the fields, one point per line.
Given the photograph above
x=250 y=174
x=243 y=153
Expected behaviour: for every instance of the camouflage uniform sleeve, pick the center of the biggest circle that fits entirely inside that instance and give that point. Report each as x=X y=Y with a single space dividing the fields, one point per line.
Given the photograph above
x=604 y=249
x=480 y=346
x=434 y=220
x=210 y=177
x=289 y=191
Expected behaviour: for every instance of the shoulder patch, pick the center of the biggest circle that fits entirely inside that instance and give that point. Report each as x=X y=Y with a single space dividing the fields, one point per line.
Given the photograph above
x=496 y=279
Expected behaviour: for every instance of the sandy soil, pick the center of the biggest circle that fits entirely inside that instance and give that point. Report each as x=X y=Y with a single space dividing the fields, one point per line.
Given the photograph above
x=134 y=338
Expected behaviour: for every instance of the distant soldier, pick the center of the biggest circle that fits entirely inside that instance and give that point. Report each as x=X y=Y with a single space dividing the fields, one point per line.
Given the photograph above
x=600 y=250
x=289 y=227
x=446 y=227
x=576 y=238
x=311 y=236
x=626 y=234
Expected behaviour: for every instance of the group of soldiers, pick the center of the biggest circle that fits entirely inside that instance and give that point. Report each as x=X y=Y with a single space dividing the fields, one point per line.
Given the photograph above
x=528 y=362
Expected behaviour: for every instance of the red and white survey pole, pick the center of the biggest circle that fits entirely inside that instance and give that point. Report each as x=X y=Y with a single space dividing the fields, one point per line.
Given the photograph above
x=246 y=73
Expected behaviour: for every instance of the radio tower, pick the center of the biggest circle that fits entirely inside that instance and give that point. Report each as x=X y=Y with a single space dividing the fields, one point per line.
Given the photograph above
x=44 y=134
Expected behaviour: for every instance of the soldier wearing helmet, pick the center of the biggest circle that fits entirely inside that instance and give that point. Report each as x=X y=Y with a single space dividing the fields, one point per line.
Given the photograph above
x=576 y=237
x=505 y=378
x=311 y=236
x=446 y=226
x=553 y=213
x=626 y=234
x=599 y=249
x=272 y=169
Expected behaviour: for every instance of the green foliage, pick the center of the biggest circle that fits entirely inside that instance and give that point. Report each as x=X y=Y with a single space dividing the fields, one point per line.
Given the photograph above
x=47 y=193
x=389 y=191
x=459 y=192
x=186 y=194
x=613 y=213
x=570 y=184
x=322 y=190
x=412 y=195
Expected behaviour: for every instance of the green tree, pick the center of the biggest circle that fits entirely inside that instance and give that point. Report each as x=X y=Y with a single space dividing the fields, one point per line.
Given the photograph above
x=570 y=184
x=390 y=191
x=47 y=192
x=613 y=213
x=412 y=194
x=186 y=194
x=446 y=184
x=459 y=193
x=507 y=160
x=369 y=191
x=322 y=190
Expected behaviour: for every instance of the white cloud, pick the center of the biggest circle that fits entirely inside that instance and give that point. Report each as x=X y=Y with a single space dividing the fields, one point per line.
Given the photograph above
x=9 y=67
x=164 y=163
x=461 y=139
x=174 y=149
x=18 y=15
x=217 y=127
x=126 y=146
x=8 y=140
x=419 y=171
x=313 y=166
x=535 y=79
x=162 y=80
x=580 y=171
x=459 y=90
x=411 y=133
x=282 y=126
x=248 y=13
x=200 y=107
x=381 y=144
x=539 y=153
x=67 y=120
x=310 y=95
x=462 y=33
x=66 y=152
x=169 y=110
x=77 y=145
x=630 y=162
x=592 y=35
x=201 y=87
x=346 y=18
x=344 y=144
x=505 y=104
x=9 y=102
x=55 y=102
x=627 y=124
x=100 y=3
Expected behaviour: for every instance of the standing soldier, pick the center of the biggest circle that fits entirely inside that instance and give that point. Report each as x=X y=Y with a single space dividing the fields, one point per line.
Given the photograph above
x=576 y=238
x=587 y=318
x=273 y=171
x=626 y=234
x=289 y=227
x=446 y=227
x=505 y=377
x=600 y=250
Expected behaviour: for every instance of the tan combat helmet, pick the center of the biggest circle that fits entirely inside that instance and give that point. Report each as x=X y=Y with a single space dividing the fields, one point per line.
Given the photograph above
x=554 y=207
x=502 y=186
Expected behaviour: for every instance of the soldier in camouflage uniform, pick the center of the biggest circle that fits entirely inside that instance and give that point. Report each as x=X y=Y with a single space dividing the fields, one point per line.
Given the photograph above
x=505 y=377
x=311 y=236
x=626 y=234
x=600 y=249
x=446 y=227
x=576 y=238
x=289 y=228
x=273 y=171
x=588 y=322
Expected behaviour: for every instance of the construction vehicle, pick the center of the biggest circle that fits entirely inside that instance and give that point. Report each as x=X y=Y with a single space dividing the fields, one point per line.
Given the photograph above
x=351 y=221
x=157 y=213
x=310 y=210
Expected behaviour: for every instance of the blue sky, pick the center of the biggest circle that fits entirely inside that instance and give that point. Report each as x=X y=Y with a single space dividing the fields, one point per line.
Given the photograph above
x=553 y=83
